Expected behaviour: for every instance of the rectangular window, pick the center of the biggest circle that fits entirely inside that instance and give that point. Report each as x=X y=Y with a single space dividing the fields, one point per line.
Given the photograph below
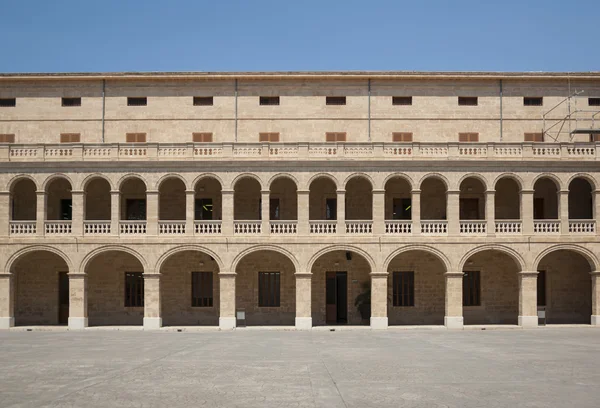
x=135 y=209
x=7 y=138
x=66 y=209
x=534 y=137
x=468 y=137
x=335 y=136
x=71 y=101
x=331 y=209
x=203 y=101
x=401 y=100
x=202 y=137
x=335 y=100
x=533 y=101
x=541 y=288
x=274 y=209
x=269 y=289
x=134 y=289
x=471 y=288
x=467 y=101
x=402 y=137
x=203 y=209
x=8 y=102
x=402 y=209
x=269 y=100
x=70 y=137
x=268 y=137
x=135 y=138
x=404 y=288
x=202 y=289
x=594 y=101
x=137 y=101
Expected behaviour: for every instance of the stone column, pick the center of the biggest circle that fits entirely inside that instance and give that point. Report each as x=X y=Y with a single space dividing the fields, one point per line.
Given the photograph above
x=7 y=311
x=597 y=210
x=78 y=310
x=415 y=211
x=563 y=209
x=190 y=213
x=527 y=211
x=152 y=207
x=595 y=298
x=227 y=212
x=341 y=212
x=303 y=301
x=379 y=212
x=528 y=299
x=303 y=212
x=5 y=202
x=115 y=211
x=490 y=211
x=453 y=318
x=453 y=212
x=227 y=300
x=40 y=213
x=152 y=309
x=265 y=211
x=379 y=294
x=78 y=211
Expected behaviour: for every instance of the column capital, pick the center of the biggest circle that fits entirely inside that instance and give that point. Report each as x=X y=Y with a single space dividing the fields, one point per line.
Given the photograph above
x=152 y=192
x=415 y=191
x=340 y=191
x=40 y=192
x=227 y=274
x=151 y=275
x=595 y=273
x=115 y=192
x=265 y=192
x=303 y=275
x=379 y=274
x=77 y=191
x=303 y=191
x=528 y=273
x=457 y=192
x=5 y=193
x=526 y=191
x=5 y=274
x=378 y=191
x=596 y=191
x=454 y=274
x=490 y=191
x=190 y=192
x=227 y=191
x=77 y=275
x=563 y=192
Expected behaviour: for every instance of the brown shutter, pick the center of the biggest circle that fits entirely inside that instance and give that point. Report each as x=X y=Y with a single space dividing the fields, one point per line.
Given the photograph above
x=202 y=137
x=468 y=137
x=268 y=137
x=534 y=137
x=135 y=138
x=402 y=137
x=330 y=137
x=263 y=137
x=70 y=138
x=341 y=136
x=7 y=138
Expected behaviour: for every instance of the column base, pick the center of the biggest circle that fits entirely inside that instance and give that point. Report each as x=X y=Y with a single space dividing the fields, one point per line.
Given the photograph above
x=379 y=323
x=453 y=322
x=528 y=321
x=595 y=320
x=152 y=323
x=7 y=322
x=303 y=323
x=78 y=323
x=226 y=323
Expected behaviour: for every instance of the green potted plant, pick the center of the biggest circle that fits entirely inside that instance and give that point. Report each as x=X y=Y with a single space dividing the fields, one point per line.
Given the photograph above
x=363 y=301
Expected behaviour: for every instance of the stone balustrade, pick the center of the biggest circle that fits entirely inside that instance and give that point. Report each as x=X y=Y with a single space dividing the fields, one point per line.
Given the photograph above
x=434 y=227
x=58 y=227
x=401 y=227
x=247 y=227
x=96 y=227
x=132 y=227
x=284 y=227
x=207 y=227
x=171 y=227
x=508 y=227
x=323 y=227
x=546 y=226
x=582 y=226
x=477 y=227
x=23 y=227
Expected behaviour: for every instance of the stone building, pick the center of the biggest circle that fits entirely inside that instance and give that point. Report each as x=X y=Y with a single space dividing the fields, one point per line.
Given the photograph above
x=182 y=199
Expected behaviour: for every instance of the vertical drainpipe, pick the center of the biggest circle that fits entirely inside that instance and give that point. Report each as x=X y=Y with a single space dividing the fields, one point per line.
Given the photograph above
x=103 y=105
x=236 y=109
x=369 y=107
x=501 y=110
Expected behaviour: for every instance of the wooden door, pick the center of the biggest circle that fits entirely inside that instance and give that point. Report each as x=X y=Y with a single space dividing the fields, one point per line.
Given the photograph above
x=63 y=298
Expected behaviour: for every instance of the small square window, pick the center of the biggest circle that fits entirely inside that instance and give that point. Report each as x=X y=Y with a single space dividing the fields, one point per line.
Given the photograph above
x=335 y=100
x=135 y=138
x=534 y=137
x=533 y=101
x=402 y=137
x=467 y=101
x=70 y=137
x=335 y=136
x=468 y=137
x=8 y=102
x=268 y=137
x=401 y=100
x=71 y=102
x=269 y=100
x=203 y=101
x=137 y=101
x=594 y=101
x=7 y=138
x=202 y=137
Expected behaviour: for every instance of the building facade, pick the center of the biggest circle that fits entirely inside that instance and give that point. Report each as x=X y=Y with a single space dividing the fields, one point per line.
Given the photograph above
x=299 y=199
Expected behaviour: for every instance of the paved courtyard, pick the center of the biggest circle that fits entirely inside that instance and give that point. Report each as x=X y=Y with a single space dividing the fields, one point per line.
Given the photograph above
x=551 y=367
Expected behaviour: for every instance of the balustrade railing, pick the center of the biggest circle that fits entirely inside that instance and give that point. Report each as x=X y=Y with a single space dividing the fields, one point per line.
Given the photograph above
x=96 y=227
x=582 y=226
x=359 y=227
x=473 y=227
x=58 y=227
x=207 y=227
x=23 y=227
x=546 y=226
x=398 y=227
x=506 y=227
x=284 y=227
x=247 y=227
x=132 y=227
x=171 y=227
x=323 y=227
x=434 y=227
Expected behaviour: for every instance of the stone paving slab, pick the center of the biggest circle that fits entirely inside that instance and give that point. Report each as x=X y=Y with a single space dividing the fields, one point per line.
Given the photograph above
x=250 y=368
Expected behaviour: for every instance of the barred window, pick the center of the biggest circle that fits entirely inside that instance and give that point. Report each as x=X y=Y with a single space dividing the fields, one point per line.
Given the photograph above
x=404 y=288
x=202 y=289
x=8 y=102
x=401 y=100
x=533 y=101
x=137 y=101
x=269 y=289
x=203 y=101
x=71 y=102
x=594 y=101
x=467 y=101
x=471 y=288
x=269 y=100
x=134 y=289
x=335 y=100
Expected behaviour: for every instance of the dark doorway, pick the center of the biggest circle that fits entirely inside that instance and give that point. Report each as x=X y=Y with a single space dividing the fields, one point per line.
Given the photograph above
x=66 y=209
x=336 y=294
x=203 y=209
x=63 y=298
x=136 y=209
x=538 y=208
x=402 y=209
x=331 y=209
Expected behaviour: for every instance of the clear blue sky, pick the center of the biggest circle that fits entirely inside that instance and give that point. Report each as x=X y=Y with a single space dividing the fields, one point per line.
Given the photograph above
x=257 y=35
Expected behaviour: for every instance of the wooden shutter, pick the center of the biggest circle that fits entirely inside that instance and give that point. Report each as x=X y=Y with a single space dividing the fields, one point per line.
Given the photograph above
x=402 y=137
x=335 y=136
x=7 y=138
x=534 y=137
x=268 y=137
x=135 y=138
x=70 y=138
x=468 y=137
x=202 y=137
